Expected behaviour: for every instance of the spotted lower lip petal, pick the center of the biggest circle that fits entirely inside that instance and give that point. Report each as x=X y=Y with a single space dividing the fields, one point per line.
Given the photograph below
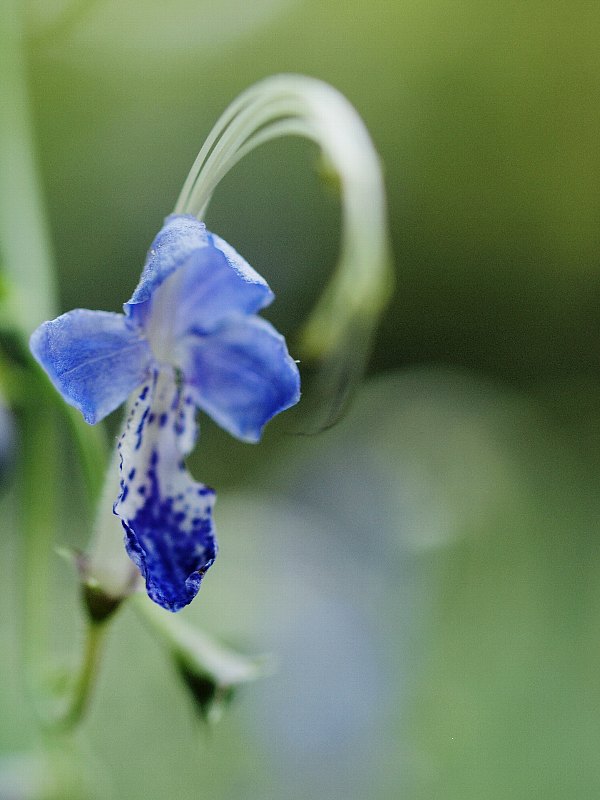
x=166 y=515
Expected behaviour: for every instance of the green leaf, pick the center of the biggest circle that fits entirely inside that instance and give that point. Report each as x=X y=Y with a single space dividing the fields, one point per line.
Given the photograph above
x=211 y=671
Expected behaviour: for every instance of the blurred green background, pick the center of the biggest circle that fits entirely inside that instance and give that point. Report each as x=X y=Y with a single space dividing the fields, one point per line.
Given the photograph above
x=427 y=573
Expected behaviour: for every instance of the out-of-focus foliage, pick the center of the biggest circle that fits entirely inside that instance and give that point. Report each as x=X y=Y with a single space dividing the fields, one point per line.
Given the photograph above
x=484 y=116
x=427 y=573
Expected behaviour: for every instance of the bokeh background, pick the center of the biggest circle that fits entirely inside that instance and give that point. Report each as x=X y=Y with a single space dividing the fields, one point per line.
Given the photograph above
x=427 y=572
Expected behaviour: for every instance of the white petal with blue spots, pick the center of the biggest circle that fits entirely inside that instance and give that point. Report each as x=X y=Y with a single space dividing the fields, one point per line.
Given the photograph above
x=166 y=515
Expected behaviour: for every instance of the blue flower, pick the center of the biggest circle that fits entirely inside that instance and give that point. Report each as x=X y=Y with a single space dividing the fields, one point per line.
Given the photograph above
x=189 y=339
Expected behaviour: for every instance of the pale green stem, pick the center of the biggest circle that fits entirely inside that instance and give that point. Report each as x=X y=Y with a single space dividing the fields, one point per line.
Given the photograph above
x=26 y=260
x=94 y=639
x=24 y=240
x=38 y=515
x=39 y=491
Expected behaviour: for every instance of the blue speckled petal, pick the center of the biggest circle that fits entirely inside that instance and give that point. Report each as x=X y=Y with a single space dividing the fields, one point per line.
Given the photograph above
x=243 y=375
x=94 y=358
x=166 y=515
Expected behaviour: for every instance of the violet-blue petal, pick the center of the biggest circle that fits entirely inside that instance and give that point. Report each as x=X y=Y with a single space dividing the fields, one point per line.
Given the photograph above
x=94 y=359
x=198 y=297
x=243 y=375
x=166 y=515
x=262 y=294
x=180 y=236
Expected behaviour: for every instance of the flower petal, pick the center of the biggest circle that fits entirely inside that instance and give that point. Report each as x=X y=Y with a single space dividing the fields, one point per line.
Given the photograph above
x=197 y=274
x=208 y=289
x=167 y=516
x=94 y=358
x=243 y=375
x=255 y=285
x=180 y=236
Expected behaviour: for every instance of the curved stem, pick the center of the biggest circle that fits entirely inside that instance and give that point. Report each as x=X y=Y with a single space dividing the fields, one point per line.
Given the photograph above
x=94 y=638
x=39 y=493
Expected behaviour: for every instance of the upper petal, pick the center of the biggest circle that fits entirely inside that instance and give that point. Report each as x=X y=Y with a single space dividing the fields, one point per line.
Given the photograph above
x=243 y=375
x=166 y=515
x=180 y=236
x=256 y=286
x=94 y=359
x=208 y=289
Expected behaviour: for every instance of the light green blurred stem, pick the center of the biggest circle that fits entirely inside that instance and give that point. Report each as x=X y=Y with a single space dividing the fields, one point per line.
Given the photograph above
x=24 y=249
x=27 y=263
x=26 y=260
x=40 y=488
x=38 y=520
x=95 y=633
x=24 y=240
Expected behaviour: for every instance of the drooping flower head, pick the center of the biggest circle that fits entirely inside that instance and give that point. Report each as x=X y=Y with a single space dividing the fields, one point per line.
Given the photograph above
x=189 y=339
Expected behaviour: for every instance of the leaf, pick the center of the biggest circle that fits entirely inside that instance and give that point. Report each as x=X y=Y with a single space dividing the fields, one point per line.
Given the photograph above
x=211 y=671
